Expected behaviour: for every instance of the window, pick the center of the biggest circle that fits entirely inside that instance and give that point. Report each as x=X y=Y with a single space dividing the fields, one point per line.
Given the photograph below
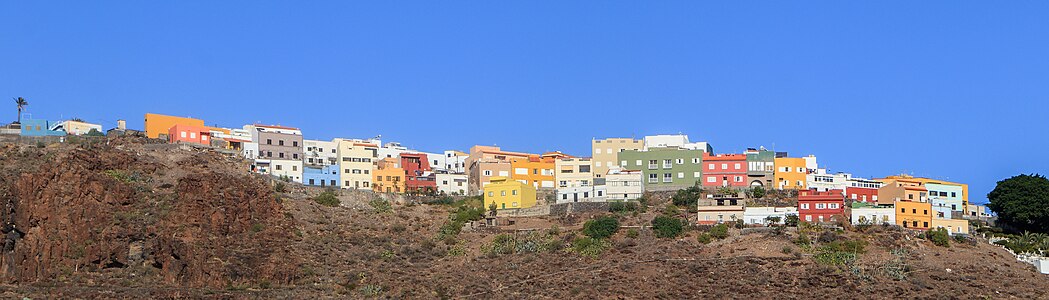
x=597 y=163
x=804 y=206
x=724 y=166
x=821 y=206
x=903 y=210
x=695 y=160
x=925 y=211
x=910 y=196
x=294 y=168
x=695 y=174
x=294 y=143
x=710 y=166
x=739 y=178
x=280 y=143
x=295 y=155
x=621 y=163
x=281 y=154
x=521 y=171
x=586 y=168
x=502 y=193
x=637 y=163
x=269 y=142
x=738 y=166
x=609 y=150
x=801 y=170
x=564 y=196
x=513 y=192
x=183 y=134
x=953 y=194
x=681 y=175
x=680 y=161
x=491 y=194
x=597 y=151
x=652 y=164
x=504 y=173
x=278 y=167
x=833 y=206
x=668 y=177
x=653 y=178
x=487 y=172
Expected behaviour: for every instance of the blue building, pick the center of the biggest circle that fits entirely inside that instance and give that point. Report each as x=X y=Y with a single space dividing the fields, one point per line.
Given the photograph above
x=325 y=176
x=39 y=127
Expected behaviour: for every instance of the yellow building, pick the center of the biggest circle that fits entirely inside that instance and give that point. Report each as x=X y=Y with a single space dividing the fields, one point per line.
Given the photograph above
x=357 y=159
x=790 y=173
x=508 y=194
x=157 y=124
x=913 y=214
x=536 y=170
x=953 y=226
x=388 y=176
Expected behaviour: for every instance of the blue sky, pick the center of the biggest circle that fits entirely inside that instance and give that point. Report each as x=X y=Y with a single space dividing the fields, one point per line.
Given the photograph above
x=949 y=89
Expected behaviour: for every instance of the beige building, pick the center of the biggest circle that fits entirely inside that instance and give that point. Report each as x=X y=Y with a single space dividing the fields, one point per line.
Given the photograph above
x=721 y=210
x=622 y=185
x=605 y=152
x=357 y=160
x=573 y=172
x=452 y=184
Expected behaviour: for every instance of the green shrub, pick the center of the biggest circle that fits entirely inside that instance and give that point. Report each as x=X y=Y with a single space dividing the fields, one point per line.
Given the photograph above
x=687 y=197
x=380 y=205
x=601 y=228
x=280 y=187
x=257 y=227
x=787 y=250
x=791 y=220
x=939 y=237
x=622 y=207
x=632 y=233
x=704 y=238
x=590 y=247
x=719 y=231
x=667 y=227
x=802 y=240
x=327 y=198
x=847 y=245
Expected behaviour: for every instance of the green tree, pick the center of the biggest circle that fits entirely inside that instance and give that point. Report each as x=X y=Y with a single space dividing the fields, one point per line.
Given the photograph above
x=21 y=103
x=667 y=227
x=688 y=197
x=791 y=220
x=602 y=227
x=94 y=132
x=1022 y=203
x=757 y=192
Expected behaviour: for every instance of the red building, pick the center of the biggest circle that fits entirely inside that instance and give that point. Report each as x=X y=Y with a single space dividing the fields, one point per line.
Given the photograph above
x=189 y=134
x=816 y=207
x=724 y=170
x=862 y=190
x=418 y=176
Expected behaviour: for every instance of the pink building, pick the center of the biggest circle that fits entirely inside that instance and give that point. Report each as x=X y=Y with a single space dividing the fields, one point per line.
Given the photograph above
x=724 y=170
x=189 y=134
x=818 y=207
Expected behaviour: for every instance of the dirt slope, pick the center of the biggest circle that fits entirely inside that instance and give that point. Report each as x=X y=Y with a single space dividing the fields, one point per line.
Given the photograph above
x=173 y=223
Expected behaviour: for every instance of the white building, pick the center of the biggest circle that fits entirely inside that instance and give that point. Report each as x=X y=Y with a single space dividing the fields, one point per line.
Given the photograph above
x=822 y=181
x=452 y=184
x=453 y=161
x=758 y=215
x=675 y=140
x=581 y=194
x=624 y=185
x=73 y=127
x=320 y=153
x=874 y=215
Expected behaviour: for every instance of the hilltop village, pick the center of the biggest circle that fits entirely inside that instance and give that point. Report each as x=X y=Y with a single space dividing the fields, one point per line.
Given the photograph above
x=617 y=170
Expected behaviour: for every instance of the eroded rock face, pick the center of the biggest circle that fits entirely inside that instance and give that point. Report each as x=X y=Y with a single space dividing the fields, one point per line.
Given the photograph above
x=103 y=209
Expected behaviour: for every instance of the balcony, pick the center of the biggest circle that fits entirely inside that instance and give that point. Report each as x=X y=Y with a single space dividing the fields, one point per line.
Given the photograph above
x=653 y=166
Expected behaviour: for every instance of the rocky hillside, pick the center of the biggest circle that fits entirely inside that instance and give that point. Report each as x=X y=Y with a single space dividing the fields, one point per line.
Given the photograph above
x=155 y=221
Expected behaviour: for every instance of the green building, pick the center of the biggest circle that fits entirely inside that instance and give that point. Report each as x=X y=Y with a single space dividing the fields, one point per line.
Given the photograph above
x=664 y=168
x=761 y=167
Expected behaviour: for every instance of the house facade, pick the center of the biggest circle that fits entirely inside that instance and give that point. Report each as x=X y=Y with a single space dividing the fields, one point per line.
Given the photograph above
x=761 y=167
x=318 y=153
x=451 y=184
x=605 y=153
x=913 y=214
x=198 y=135
x=675 y=141
x=946 y=199
x=725 y=170
x=357 y=159
x=326 y=176
x=623 y=185
x=388 y=176
x=509 y=194
x=485 y=162
x=593 y=193
x=419 y=177
x=720 y=210
x=73 y=127
x=869 y=214
x=664 y=168
x=791 y=172
x=157 y=124
x=953 y=226
x=816 y=206
x=862 y=190
x=535 y=170
x=280 y=151
x=573 y=172
x=38 y=127
x=761 y=215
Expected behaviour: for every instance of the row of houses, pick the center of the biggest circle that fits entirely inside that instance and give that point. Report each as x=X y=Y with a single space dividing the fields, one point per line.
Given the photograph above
x=617 y=169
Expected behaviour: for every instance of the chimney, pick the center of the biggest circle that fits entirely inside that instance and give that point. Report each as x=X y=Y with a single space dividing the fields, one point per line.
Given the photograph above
x=121 y=124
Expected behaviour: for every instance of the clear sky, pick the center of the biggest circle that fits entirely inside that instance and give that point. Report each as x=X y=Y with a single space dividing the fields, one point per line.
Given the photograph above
x=956 y=90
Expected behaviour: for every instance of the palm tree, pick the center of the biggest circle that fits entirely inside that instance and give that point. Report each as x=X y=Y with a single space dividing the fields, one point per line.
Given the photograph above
x=21 y=105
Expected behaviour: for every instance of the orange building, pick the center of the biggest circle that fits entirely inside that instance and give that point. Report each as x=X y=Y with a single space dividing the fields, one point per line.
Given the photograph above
x=388 y=176
x=157 y=124
x=536 y=170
